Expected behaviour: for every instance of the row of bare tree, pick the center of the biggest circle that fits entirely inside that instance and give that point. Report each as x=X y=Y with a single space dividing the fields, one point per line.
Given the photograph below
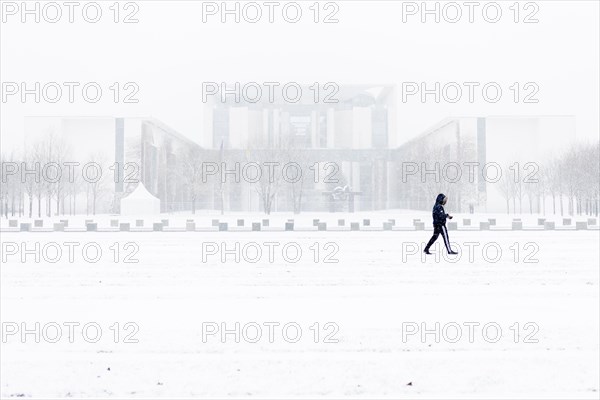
x=567 y=183
x=270 y=186
x=46 y=180
x=572 y=178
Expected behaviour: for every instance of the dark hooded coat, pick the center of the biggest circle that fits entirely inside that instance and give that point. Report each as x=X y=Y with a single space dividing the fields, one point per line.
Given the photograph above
x=439 y=215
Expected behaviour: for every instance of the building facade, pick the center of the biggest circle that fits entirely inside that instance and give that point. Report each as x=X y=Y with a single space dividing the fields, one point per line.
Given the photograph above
x=342 y=141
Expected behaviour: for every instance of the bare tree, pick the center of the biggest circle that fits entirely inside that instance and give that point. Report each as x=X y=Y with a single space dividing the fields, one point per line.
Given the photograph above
x=189 y=167
x=553 y=180
x=61 y=156
x=96 y=182
x=31 y=164
x=570 y=174
x=270 y=180
x=506 y=188
x=298 y=164
x=531 y=190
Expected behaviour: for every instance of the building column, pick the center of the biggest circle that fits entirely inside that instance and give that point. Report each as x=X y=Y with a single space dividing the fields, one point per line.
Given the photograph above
x=331 y=128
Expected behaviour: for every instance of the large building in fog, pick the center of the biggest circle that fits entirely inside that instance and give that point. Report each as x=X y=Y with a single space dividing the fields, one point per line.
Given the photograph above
x=473 y=159
x=130 y=150
x=350 y=132
x=347 y=150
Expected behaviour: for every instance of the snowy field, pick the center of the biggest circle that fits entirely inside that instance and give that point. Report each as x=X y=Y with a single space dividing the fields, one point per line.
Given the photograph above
x=538 y=299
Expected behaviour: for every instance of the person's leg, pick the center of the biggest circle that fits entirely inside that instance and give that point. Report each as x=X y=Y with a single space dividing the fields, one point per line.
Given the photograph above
x=436 y=234
x=447 y=239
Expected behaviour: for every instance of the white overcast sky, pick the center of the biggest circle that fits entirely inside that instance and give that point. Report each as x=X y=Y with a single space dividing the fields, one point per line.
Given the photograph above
x=170 y=52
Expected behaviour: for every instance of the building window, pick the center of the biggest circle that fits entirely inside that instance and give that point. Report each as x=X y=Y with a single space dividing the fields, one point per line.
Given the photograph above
x=300 y=125
x=322 y=130
x=380 y=127
x=221 y=127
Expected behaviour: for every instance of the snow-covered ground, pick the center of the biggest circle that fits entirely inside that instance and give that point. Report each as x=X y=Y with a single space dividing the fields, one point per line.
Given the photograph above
x=374 y=298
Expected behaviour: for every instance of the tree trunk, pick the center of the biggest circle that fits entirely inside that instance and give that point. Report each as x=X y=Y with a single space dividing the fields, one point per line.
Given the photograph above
x=520 y=205
x=561 y=205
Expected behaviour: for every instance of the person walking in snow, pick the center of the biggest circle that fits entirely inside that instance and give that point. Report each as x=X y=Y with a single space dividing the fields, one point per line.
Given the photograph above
x=439 y=224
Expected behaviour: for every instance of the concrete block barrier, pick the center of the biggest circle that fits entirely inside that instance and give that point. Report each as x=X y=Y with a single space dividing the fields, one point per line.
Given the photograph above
x=256 y=226
x=124 y=227
x=541 y=221
x=91 y=227
x=322 y=226
x=265 y=222
x=190 y=226
x=114 y=223
x=25 y=227
x=420 y=226
x=517 y=225
x=38 y=223
x=240 y=222
x=315 y=222
x=165 y=222
x=387 y=226
x=452 y=226
x=591 y=221
x=139 y=223
x=492 y=221
x=289 y=226
x=13 y=223
x=223 y=226
x=354 y=226
x=341 y=222
x=466 y=222
x=65 y=222
x=366 y=222
x=549 y=226
x=484 y=226
x=58 y=227
x=157 y=227
x=215 y=222
x=581 y=225
x=567 y=221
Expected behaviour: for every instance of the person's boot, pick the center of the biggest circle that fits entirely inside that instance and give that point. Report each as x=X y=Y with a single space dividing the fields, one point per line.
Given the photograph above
x=426 y=251
x=452 y=252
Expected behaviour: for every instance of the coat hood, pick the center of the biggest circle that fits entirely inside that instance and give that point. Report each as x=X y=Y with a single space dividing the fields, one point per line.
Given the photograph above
x=440 y=198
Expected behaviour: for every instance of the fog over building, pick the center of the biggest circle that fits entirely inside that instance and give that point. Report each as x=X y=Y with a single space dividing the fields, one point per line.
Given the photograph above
x=249 y=153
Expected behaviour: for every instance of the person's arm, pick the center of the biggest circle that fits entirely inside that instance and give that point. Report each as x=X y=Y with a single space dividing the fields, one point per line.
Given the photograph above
x=447 y=215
